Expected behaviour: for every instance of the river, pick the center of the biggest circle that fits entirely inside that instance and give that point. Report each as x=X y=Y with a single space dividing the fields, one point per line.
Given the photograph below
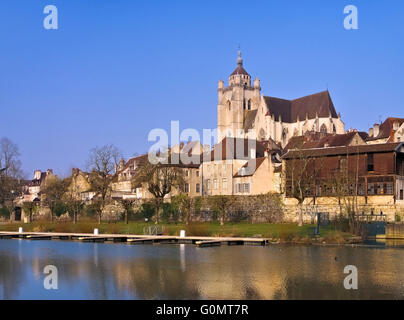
x=123 y=271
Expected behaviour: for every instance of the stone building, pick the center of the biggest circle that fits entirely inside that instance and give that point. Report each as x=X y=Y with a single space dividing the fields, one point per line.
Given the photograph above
x=359 y=178
x=32 y=188
x=391 y=130
x=240 y=166
x=126 y=172
x=242 y=107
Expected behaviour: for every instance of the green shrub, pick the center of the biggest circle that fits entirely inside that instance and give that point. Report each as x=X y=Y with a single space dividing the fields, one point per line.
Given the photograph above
x=4 y=213
x=146 y=211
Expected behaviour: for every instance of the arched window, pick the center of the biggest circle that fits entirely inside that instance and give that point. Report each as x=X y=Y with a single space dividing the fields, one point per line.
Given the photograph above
x=334 y=129
x=243 y=104
x=249 y=104
x=229 y=105
x=323 y=128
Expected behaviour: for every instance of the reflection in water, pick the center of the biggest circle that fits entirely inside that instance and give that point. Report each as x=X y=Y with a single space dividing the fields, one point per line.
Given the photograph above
x=120 y=271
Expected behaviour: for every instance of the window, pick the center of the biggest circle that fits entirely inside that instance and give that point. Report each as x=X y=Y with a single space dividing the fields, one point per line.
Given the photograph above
x=401 y=194
x=370 y=162
x=198 y=188
x=379 y=188
x=215 y=184
x=323 y=128
x=246 y=187
x=197 y=173
x=390 y=188
x=186 y=173
x=208 y=184
x=239 y=188
x=249 y=104
x=371 y=188
x=224 y=183
x=187 y=187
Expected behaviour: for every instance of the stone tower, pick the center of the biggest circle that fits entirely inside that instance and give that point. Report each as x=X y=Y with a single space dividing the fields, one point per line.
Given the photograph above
x=236 y=101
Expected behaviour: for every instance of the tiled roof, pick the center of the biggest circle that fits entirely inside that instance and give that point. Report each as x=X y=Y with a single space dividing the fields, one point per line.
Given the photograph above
x=236 y=148
x=250 y=167
x=386 y=128
x=239 y=70
x=367 y=148
x=319 y=104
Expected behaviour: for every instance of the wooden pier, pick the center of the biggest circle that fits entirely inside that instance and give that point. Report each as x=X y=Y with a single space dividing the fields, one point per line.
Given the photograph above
x=134 y=239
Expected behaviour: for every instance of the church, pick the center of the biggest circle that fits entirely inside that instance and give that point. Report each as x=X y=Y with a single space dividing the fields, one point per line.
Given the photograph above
x=243 y=108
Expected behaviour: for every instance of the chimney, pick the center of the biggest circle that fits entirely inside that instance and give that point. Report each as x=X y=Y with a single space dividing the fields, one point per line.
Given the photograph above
x=376 y=128
x=121 y=164
x=370 y=132
x=252 y=153
x=37 y=174
x=49 y=171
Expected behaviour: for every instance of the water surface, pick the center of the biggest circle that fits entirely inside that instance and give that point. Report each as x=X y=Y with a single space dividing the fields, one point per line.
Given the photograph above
x=122 y=271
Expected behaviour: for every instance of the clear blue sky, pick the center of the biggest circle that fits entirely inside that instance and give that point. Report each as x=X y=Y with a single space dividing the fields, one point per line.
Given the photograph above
x=116 y=69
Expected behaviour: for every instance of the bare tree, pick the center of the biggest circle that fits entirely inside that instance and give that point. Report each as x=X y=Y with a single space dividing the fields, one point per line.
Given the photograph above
x=128 y=205
x=102 y=163
x=222 y=204
x=72 y=198
x=54 y=190
x=187 y=205
x=301 y=172
x=29 y=208
x=159 y=179
x=10 y=174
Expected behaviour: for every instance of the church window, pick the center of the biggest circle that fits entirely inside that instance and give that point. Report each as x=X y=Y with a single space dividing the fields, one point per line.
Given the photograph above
x=229 y=105
x=334 y=129
x=323 y=128
x=243 y=104
x=249 y=104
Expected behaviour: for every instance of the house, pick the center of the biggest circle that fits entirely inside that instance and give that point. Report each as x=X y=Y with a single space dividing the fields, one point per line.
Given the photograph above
x=240 y=166
x=367 y=177
x=391 y=130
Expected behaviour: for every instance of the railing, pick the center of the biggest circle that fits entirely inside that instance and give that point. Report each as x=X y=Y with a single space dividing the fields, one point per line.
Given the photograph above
x=153 y=230
x=370 y=217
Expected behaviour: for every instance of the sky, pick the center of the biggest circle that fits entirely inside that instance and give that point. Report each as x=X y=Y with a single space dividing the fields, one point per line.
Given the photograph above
x=115 y=69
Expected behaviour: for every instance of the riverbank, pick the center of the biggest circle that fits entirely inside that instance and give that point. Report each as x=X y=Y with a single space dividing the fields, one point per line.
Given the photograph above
x=277 y=233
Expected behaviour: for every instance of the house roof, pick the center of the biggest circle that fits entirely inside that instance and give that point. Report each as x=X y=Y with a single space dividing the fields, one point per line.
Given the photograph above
x=318 y=104
x=323 y=141
x=343 y=150
x=250 y=167
x=386 y=128
x=237 y=148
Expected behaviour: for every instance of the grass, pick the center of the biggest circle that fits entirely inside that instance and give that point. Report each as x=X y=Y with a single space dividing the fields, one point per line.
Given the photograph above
x=278 y=232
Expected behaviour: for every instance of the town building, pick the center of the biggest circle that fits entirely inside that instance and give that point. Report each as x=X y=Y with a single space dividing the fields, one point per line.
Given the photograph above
x=361 y=178
x=391 y=130
x=240 y=166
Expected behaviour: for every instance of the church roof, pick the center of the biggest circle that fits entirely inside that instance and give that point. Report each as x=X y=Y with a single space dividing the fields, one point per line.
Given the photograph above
x=239 y=70
x=289 y=110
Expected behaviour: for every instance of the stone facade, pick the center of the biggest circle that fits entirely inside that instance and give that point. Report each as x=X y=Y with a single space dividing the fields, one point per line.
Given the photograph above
x=242 y=107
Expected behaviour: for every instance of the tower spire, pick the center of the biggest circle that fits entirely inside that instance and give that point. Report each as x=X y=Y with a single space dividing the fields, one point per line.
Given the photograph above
x=239 y=59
